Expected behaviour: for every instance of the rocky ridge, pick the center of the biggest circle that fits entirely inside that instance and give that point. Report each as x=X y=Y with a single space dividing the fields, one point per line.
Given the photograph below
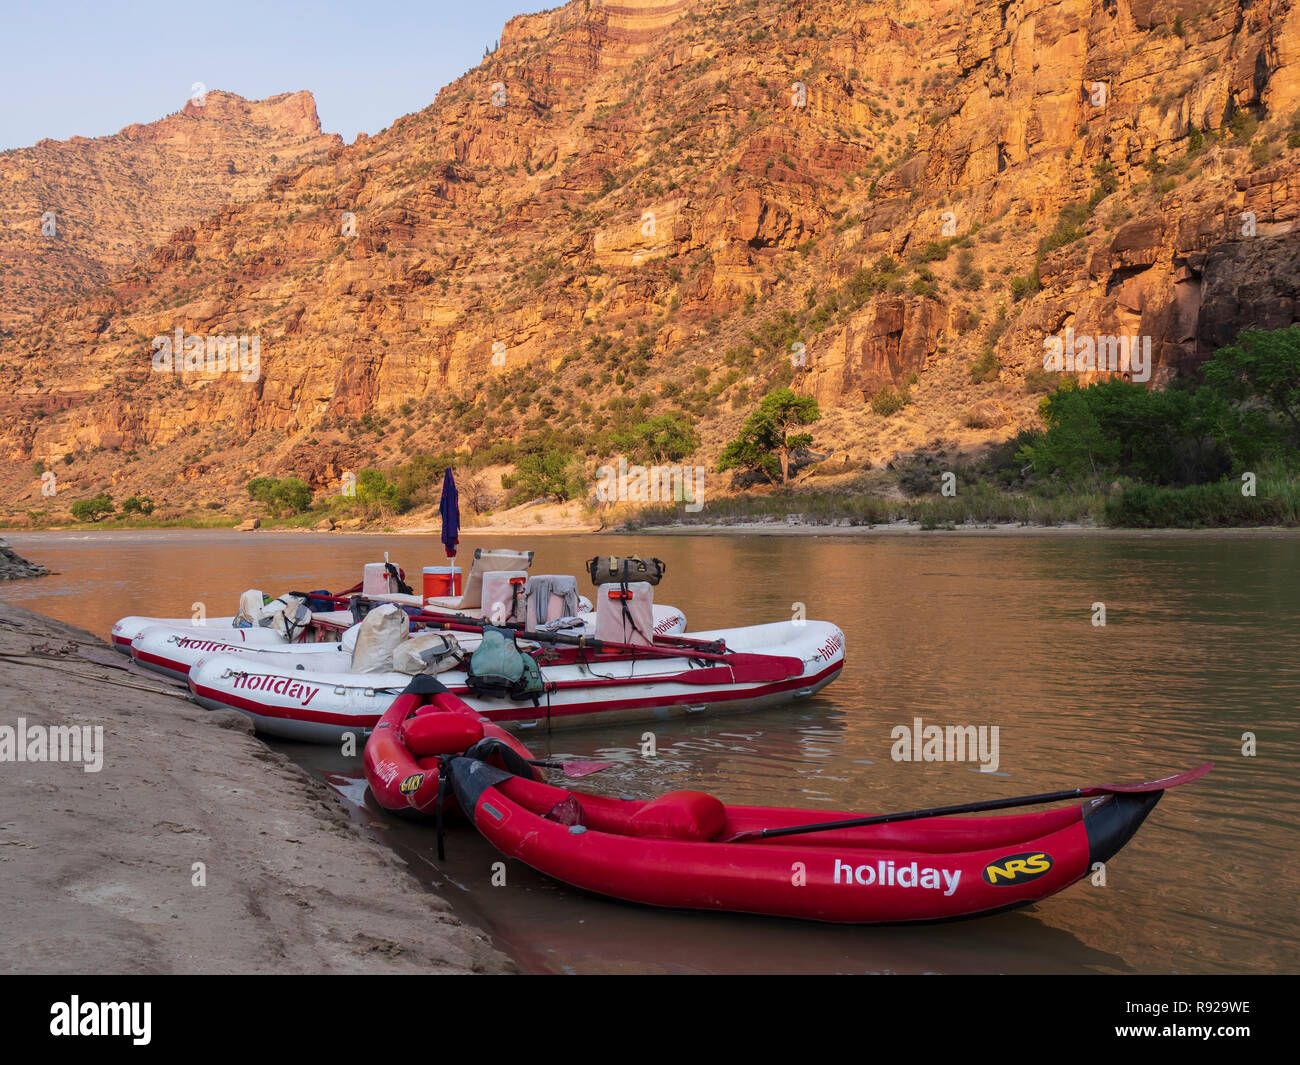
x=73 y=213
x=651 y=206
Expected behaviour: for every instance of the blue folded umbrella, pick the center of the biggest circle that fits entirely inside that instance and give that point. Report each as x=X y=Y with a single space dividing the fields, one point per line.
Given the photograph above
x=449 y=508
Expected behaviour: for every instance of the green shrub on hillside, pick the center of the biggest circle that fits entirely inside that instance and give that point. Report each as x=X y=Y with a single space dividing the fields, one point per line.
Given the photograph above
x=662 y=440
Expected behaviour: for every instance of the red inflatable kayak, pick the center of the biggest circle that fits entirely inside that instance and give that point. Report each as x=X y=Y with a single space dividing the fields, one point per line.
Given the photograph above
x=679 y=851
x=425 y=723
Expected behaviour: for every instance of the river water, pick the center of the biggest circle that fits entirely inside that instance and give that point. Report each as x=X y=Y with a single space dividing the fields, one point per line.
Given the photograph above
x=1198 y=649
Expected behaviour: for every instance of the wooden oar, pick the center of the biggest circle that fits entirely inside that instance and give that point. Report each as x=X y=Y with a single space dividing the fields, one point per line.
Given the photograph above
x=974 y=807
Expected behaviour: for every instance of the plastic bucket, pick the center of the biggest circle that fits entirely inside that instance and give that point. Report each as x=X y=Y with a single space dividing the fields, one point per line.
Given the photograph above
x=441 y=581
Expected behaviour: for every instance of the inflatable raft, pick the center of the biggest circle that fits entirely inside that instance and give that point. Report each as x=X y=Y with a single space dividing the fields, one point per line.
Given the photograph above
x=688 y=850
x=425 y=722
x=261 y=622
x=126 y=630
x=380 y=581
x=311 y=693
x=498 y=591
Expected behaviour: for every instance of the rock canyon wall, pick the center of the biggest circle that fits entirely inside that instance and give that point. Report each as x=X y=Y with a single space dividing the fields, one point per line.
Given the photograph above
x=646 y=206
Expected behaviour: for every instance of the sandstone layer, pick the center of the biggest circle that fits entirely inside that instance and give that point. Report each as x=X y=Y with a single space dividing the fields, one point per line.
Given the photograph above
x=73 y=213
x=648 y=206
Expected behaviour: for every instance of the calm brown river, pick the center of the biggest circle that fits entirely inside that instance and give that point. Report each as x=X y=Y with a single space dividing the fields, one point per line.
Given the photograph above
x=1199 y=647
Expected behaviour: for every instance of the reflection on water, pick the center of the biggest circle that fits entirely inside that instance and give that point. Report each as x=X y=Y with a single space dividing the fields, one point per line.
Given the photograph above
x=1198 y=648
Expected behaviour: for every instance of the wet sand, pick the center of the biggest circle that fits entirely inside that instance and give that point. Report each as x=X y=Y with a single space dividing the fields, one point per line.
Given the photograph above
x=97 y=869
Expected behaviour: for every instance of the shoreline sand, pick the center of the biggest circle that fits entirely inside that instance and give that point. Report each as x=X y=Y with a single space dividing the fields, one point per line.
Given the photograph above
x=97 y=868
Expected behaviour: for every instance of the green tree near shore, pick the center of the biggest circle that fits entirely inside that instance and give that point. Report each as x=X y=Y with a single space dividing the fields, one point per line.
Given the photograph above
x=280 y=497
x=768 y=436
x=94 y=508
x=543 y=475
x=1243 y=412
x=138 y=505
x=377 y=494
x=1262 y=367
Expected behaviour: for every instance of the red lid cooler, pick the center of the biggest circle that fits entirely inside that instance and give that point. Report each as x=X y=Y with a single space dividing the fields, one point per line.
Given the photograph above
x=441 y=581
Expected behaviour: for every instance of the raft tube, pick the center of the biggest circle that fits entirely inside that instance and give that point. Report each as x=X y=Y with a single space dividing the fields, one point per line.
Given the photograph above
x=125 y=630
x=303 y=694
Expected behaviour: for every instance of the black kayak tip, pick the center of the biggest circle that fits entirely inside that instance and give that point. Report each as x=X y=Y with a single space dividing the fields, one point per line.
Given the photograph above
x=424 y=684
x=1112 y=820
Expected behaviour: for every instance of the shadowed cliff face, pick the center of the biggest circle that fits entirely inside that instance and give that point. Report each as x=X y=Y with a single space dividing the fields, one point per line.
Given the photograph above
x=648 y=206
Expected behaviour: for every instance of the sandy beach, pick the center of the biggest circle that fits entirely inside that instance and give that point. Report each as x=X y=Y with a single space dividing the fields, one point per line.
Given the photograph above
x=99 y=870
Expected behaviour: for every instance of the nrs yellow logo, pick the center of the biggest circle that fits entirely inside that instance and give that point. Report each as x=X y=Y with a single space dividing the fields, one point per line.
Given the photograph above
x=411 y=784
x=1017 y=868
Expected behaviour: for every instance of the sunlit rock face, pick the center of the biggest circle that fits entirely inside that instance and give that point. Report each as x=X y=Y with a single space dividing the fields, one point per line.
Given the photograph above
x=74 y=213
x=673 y=200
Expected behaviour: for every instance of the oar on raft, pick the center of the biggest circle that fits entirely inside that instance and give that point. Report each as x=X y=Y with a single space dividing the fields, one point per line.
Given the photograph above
x=974 y=807
x=473 y=624
x=746 y=666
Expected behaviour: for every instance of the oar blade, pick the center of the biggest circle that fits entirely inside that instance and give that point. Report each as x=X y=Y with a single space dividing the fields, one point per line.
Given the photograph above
x=762 y=669
x=1163 y=784
x=576 y=770
x=743 y=837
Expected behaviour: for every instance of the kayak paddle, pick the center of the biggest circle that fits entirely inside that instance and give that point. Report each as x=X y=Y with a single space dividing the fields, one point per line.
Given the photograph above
x=573 y=770
x=974 y=807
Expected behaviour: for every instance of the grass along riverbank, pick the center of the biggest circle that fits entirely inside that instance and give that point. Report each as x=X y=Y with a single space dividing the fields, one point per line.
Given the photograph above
x=872 y=501
x=1276 y=502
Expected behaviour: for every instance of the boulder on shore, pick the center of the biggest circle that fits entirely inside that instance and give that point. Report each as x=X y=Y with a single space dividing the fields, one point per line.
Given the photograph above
x=249 y=525
x=13 y=567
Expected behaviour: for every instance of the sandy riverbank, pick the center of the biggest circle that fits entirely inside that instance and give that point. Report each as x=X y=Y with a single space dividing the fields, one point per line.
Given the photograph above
x=97 y=868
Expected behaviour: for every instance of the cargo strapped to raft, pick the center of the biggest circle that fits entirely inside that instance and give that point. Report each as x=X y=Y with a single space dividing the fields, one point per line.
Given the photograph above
x=498 y=669
x=625 y=570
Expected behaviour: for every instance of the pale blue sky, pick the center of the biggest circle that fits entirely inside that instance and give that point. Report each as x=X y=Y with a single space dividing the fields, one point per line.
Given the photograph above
x=90 y=68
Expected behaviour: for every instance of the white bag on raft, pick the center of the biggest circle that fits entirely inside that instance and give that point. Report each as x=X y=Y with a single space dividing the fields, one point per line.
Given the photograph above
x=626 y=620
x=249 y=615
x=427 y=652
x=288 y=616
x=377 y=638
